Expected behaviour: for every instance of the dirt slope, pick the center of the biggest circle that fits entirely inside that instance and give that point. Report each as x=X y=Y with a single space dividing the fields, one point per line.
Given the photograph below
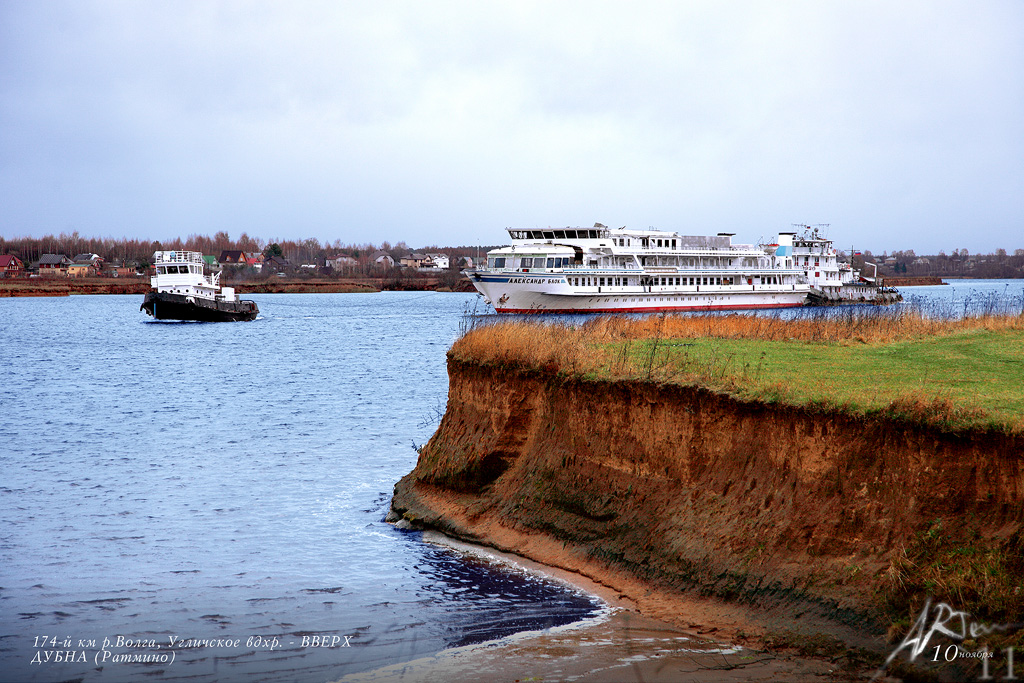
x=806 y=516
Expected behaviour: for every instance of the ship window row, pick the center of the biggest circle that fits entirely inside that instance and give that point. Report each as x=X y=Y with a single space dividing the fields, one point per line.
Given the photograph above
x=532 y=262
x=541 y=262
x=672 y=260
x=554 y=234
x=656 y=282
x=599 y=281
x=662 y=243
x=670 y=281
x=174 y=270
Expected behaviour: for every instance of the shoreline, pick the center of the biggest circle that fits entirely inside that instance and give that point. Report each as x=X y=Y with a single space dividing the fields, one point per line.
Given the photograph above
x=447 y=515
x=621 y=643
x=914 y=281
x=43 y=287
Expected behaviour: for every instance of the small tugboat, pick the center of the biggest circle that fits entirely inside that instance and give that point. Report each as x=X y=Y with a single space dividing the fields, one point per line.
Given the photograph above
x=182 y=292
x=831 y=281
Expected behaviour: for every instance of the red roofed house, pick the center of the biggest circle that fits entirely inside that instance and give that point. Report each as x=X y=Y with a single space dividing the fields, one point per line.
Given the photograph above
x=11 y=266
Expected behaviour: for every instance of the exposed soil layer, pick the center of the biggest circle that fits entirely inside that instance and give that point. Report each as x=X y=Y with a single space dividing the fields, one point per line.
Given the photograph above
x=777 y=517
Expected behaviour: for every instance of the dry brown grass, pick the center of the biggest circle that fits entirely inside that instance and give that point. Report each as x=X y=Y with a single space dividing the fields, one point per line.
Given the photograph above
x=553 y=348
x=656 y=349
x=845 y=326
x=582 y=349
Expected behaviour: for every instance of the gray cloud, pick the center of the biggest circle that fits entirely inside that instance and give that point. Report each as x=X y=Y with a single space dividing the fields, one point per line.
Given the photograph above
x=443 y=122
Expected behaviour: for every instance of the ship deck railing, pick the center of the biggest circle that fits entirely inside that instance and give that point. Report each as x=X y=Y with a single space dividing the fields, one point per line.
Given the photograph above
x=169 y=257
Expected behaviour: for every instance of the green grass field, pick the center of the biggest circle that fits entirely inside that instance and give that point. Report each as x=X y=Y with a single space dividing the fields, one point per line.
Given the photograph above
x=954 y=373
x=976 y=371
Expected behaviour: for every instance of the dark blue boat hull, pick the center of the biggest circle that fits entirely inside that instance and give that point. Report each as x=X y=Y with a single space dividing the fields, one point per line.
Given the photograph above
x=164 y=306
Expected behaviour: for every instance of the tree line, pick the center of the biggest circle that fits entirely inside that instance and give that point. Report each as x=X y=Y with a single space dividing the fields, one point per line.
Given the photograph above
x=136 y=252
x=960 y=263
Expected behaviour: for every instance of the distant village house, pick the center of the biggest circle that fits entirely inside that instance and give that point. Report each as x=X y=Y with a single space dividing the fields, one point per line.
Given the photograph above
x=439 y=261
x=81 y=270
x=94 y=260
x=54 y=265
x=117 y=269
x=277 y=263
x=425 y=262
x=342 y=261
x=412 y=260
x=11 y=266
x=233 y=258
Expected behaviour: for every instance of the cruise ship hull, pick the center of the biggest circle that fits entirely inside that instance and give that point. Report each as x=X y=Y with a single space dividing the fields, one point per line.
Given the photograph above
x=545 y=293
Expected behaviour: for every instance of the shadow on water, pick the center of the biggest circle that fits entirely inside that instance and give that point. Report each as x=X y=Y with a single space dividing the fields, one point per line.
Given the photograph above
x=488 y=600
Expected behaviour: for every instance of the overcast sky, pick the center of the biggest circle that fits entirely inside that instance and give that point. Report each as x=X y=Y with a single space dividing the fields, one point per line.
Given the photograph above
x=900 y=123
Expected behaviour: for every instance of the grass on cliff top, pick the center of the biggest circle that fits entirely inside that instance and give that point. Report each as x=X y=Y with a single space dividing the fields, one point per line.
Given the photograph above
x=956 y=373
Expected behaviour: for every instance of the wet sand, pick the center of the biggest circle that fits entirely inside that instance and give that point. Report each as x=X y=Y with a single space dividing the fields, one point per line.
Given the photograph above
x=619 y=645
x=622 y=647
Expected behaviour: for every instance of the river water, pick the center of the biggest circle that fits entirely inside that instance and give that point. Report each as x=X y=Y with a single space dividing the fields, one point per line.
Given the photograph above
x=957 y=298
x=225 y=486
x=230 y=481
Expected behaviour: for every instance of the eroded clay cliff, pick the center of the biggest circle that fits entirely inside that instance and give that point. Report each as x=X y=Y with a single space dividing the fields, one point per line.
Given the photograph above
x=803 y=511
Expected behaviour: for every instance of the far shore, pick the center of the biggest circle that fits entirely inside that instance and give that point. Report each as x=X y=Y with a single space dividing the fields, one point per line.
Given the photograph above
x=925 y=281
x=140 y=285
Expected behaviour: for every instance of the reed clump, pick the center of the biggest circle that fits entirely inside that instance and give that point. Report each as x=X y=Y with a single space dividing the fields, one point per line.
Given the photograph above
x=839 y=325
x=579 y=348
x=521 y=344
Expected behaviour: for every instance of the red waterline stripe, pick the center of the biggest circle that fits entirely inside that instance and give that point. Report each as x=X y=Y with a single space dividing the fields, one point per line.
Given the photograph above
x=660 y=309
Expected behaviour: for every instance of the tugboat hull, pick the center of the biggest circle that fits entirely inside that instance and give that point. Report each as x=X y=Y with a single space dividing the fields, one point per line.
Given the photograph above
x=165 y=306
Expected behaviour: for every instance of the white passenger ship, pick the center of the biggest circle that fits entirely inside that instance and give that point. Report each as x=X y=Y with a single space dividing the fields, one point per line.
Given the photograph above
x=182 y=292
x=622 y=270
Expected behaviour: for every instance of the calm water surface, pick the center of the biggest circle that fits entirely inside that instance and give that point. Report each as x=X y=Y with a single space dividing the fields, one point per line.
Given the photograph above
x=967 y=297
x=230 y=481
